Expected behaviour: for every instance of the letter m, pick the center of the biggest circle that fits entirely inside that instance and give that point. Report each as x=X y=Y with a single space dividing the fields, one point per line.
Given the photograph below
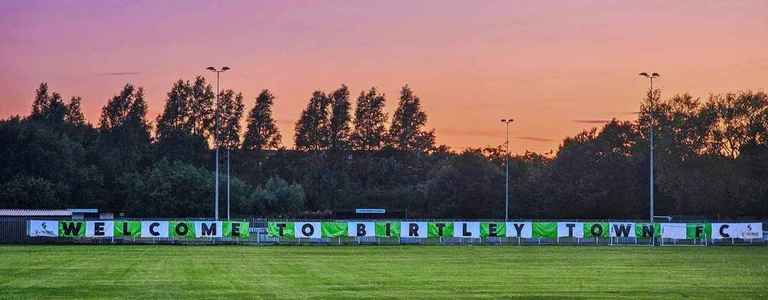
x=208 y=231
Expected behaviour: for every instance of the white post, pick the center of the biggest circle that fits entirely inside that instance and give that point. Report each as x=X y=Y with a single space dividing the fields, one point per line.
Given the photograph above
x=216 y=144
x=506 y=189
x=228 y=184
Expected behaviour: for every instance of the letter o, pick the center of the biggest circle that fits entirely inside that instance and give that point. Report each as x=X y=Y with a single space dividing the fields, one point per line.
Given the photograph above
x=307 y=229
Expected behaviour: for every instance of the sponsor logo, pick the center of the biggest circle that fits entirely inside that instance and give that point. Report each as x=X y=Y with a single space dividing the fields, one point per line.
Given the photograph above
x=749 y=233
x=43 y=230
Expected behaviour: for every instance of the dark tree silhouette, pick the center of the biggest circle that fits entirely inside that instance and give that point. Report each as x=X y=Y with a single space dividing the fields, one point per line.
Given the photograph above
x=338 y=126
x=370 y=131
x=407 y=130
x=312 y=128
x=262 y=132
x=230 y=108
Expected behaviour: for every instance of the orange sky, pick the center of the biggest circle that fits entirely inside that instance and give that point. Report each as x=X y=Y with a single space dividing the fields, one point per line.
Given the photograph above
x=550 y=65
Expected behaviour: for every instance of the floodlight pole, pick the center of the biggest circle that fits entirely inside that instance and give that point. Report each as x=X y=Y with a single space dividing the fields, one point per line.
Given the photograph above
x=651 y=183
x=506 y=183
x=228 y=183
x=216 y=141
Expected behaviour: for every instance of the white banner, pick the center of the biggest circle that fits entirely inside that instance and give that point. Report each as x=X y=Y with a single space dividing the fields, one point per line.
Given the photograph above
x=413 y=230
x=44 y=228
x=737 y=230
x=307 y=230
x=674 y=231
x=208 y=229
x=622 y=229
x=154 y=229
x=570 y=229
x=519 y=229
x=99 y=229
x=466 y=229
x=361 y=229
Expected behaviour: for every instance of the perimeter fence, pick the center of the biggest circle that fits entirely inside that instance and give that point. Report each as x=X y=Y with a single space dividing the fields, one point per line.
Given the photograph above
x=259 y=231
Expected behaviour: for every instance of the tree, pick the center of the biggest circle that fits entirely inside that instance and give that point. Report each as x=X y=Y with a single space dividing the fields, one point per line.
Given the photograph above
x=466 y=186
x=312 y=128
x=592 y=170
x=188 y=110
x=279 y=197
x=262 y=132
x=407 y=130
x=124 y=142
x=126 y=109
x=184 y=126
x=48 y=108
x=369 y=132
x=338 y=129
x=175 y=189
x=741 y=119
x=42 y=101
x=230 y=108
x=201 y=114
x=173 y=120
x=28 y=192
x=73 y=113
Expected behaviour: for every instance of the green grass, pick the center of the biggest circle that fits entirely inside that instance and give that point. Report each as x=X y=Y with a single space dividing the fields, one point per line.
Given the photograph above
x=69 y=272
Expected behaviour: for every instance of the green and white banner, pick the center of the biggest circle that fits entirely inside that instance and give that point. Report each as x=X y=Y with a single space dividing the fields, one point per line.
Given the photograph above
x=737 y=230
x=137 y=229
x=204 y=229
x=493 y=229
x=99 y=229
x=621 y=230
x=238 y=230
x=125 y=229
x=523 y=230
x=597 y=230
x=545 y=230
x=416 y=230
x=526 y=230
x=361 y=229
x=570 y=230
x=440 y=229
x=182 y=230
x=387 y=229
x=391 y=229
x=307 y=230
x=466 y=230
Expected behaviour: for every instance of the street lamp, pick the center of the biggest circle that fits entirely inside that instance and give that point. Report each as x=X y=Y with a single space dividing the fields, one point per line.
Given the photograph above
x=506 y=185
x=216 y=141
x=650 y=94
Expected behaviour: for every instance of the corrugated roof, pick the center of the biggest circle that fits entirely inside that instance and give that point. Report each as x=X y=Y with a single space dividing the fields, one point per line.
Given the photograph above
x=84 y=210
x=35 y=213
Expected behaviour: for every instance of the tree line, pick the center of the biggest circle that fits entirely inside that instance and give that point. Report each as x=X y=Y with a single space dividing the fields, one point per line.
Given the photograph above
x=711 y=159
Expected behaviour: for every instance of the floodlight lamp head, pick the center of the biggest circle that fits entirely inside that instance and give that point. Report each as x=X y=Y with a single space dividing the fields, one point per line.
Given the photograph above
x=644 y=74
x=211 y=69
x=227 y=68
x=655 y=75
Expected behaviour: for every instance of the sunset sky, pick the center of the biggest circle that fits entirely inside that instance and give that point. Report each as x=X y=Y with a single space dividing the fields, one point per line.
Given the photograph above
x=555 y=66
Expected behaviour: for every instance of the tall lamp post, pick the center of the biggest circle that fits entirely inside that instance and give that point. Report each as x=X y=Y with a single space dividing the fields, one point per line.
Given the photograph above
x=506 y=185
x=650 y=94
x=216 y=140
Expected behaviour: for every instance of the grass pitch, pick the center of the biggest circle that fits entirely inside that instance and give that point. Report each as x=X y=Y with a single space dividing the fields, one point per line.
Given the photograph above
x=173 y=272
